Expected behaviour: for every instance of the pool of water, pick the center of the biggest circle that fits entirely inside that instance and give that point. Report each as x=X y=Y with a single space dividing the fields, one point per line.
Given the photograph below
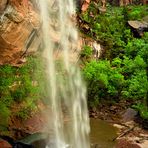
x=102 y=133
x=101 y=136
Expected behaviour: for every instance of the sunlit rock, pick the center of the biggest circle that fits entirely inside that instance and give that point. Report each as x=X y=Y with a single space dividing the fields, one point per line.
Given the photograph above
x=19 y=23
x=138 y=27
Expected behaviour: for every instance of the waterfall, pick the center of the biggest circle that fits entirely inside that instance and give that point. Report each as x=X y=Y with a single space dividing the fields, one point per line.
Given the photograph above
x=67 y=90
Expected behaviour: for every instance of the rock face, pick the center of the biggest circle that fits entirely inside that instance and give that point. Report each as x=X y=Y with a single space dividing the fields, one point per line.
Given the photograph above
x=4 y=144
x=19 y=22
x=2 y=5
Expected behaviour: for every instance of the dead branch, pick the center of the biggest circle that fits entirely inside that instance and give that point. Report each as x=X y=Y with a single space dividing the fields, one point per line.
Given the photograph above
x=124 y=133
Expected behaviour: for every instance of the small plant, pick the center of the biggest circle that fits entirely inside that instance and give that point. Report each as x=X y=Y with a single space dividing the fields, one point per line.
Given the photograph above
x=86 y=52
x=24 y=113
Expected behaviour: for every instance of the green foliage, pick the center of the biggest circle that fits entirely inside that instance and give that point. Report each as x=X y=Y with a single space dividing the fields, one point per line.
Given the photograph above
x=122 y=78
x=4 y=114
x=29 y=107
x=143 y=110
x=20 y=84
x=136 y=86
x=110 y=29
x=135 y=12
x=124 y=72
x=86 y=52
x=6 y=79
x=103 y=81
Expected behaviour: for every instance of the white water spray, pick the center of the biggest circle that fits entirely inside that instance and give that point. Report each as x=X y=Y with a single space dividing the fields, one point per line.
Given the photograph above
x=67 y=91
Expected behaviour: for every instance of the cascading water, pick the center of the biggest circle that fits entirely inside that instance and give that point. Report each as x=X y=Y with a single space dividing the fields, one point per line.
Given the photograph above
x=67 y=91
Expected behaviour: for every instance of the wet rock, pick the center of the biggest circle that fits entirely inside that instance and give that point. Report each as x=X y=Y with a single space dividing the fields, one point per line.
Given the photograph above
x=124 y=143
x=15 y=144
x=37 y=122
x=37 y=140
x=129 y=115
x=97 y=49
x=4 y=144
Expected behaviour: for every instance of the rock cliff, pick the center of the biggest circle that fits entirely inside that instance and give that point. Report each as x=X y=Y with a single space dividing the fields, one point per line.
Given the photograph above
x=19 y=24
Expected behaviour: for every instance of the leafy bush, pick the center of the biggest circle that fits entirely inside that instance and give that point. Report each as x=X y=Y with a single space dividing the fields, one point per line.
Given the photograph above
x=4 y=114
x=124 y=72
x=143 y=110
x=135 y=12
x=103 y=81
x=86 y=52
x=21 y=84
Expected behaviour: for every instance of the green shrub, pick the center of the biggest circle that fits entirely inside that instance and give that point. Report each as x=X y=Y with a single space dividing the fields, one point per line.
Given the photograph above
x=86 y=52
x=135 y=12
x=104 y=81
x=4 y=114
x=142 y=109
x=124 y=72
x=20 y=84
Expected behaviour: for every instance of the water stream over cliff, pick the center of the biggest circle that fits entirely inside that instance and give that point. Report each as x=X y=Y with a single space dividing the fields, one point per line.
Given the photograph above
x=67 y=90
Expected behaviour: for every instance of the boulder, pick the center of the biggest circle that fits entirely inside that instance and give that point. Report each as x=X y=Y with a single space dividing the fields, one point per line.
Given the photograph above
x=138 y=27
x=138 y=24
x=129 y=115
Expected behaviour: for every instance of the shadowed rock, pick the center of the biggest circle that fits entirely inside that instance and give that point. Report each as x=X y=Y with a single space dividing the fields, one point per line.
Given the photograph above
x=16 y=144
x=129 y=115
x=138 y=27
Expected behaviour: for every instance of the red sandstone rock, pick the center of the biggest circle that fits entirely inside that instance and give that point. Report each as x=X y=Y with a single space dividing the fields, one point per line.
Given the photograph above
x=18 y=21
x=124 y=143
x=4 y=144
x=85 y=5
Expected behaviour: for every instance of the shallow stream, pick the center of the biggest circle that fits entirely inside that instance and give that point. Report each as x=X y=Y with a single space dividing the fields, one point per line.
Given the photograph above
x=102 y=134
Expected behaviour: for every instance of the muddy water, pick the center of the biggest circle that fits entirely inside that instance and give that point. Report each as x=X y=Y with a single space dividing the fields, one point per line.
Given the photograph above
x=101 y=136
x=102 y=133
